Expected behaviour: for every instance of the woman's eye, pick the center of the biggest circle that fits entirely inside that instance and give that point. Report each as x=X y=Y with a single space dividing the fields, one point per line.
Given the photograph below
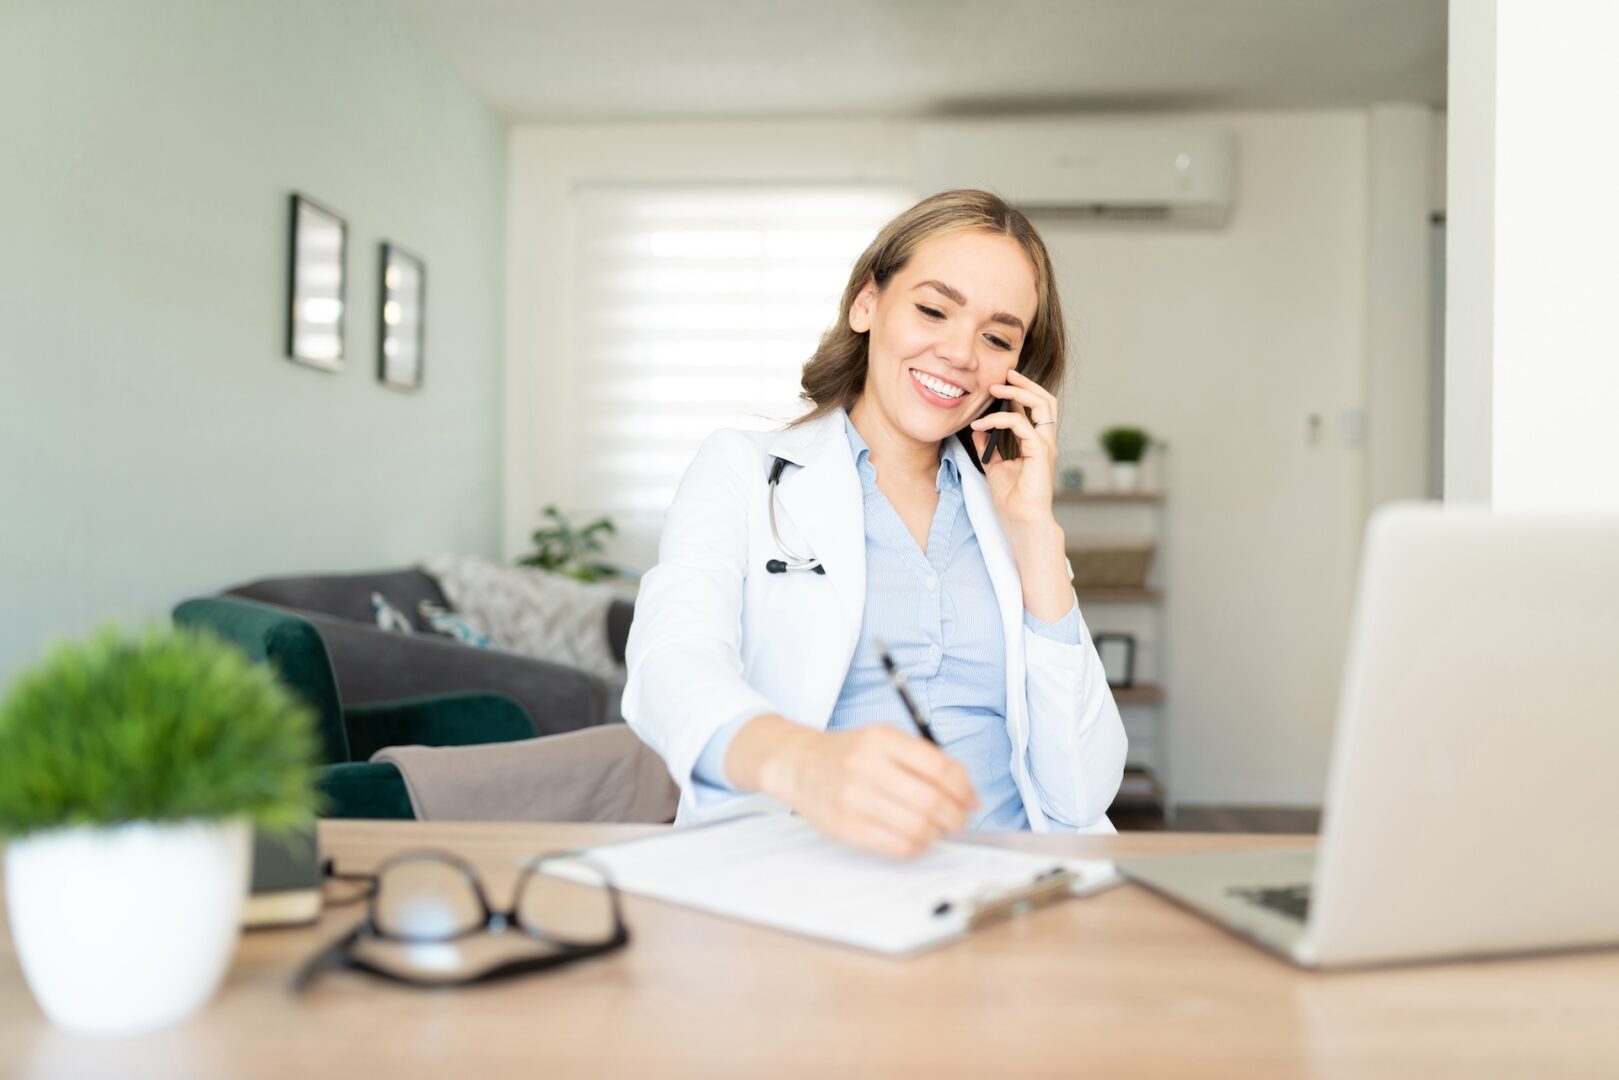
x=934 y=313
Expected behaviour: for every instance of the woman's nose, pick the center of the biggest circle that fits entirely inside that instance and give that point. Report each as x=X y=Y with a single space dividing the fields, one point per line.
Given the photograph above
x=956 y=349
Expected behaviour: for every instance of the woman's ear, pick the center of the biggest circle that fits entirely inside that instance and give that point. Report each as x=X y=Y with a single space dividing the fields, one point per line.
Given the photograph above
x=860 y=310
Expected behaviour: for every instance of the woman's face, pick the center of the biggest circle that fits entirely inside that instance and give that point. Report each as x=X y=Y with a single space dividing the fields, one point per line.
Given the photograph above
x=947 y=327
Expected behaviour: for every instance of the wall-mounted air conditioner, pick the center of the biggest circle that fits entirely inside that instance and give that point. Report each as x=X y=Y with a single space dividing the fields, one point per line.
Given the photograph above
x=1089 y=170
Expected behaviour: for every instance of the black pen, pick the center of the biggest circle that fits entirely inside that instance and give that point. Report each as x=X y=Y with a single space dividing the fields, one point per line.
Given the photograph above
x=898 y=680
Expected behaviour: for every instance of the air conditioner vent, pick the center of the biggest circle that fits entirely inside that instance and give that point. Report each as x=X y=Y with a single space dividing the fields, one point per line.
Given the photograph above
x=1085 y=170
x=1100 y=212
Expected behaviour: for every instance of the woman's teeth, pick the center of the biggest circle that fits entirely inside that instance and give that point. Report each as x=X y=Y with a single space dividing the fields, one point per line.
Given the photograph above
x=943 y=389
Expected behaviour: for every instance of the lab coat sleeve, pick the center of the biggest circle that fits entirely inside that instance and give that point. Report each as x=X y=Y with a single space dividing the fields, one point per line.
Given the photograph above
x=684 y=655
x=1076 y=739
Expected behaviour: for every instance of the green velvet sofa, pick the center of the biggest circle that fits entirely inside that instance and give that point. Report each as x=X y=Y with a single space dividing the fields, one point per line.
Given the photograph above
x=352 y=785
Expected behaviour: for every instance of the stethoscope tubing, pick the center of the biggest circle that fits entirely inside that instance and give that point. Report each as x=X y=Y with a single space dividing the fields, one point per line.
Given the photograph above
x=793 y=562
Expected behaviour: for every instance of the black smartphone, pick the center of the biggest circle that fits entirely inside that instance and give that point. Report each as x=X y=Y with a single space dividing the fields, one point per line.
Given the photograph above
x=994 y=433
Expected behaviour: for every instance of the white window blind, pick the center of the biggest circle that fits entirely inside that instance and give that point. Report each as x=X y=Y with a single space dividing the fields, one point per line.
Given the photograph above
x=696 y=308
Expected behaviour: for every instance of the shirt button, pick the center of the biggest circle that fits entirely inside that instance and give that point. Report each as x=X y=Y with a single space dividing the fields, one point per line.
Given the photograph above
x=933 y=652
x=933 y=583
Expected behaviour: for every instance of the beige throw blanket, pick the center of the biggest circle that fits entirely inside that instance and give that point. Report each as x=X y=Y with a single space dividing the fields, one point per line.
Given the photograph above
x=596 y=774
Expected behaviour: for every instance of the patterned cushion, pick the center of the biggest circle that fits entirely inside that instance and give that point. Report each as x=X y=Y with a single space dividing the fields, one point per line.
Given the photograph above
x=388 y=617
x=445 y=621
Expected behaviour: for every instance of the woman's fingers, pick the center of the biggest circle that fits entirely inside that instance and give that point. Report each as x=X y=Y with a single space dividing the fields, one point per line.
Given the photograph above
x=941 y=806
x=936 y=769
x=877 y=788
x=1023 y=396
x=1048 y=399
x=1030 y=441
x=893 y=812
x=1028 y=393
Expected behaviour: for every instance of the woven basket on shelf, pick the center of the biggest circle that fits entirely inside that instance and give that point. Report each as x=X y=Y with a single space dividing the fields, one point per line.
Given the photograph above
x=1110 y=566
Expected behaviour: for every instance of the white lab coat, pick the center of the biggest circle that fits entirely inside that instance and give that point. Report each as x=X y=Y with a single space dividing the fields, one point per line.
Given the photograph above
x=715 y=636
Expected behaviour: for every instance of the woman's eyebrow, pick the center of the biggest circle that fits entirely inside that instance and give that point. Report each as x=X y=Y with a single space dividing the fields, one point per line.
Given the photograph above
x=955 y=294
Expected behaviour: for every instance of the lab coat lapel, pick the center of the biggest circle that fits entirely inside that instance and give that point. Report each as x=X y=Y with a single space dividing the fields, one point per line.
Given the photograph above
x=1003 y=575
x=826 y=506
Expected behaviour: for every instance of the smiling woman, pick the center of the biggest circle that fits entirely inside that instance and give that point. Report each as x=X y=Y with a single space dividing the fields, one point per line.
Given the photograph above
x=971 y=238
x=749 y=678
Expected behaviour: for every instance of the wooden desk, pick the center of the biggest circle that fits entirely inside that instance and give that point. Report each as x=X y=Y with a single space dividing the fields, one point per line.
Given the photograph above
x=1122 y=984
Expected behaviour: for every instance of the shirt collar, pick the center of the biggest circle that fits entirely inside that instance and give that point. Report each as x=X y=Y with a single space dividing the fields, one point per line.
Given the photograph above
x=948 y=479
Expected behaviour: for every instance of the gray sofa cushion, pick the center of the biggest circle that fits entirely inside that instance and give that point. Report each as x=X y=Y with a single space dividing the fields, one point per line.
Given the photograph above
x=373 y=665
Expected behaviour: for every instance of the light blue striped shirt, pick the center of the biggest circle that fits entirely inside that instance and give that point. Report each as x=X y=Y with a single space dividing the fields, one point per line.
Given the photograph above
x=937 y=613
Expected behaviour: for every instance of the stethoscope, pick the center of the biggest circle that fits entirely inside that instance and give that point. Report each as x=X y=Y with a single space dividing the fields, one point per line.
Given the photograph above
x=793 y=561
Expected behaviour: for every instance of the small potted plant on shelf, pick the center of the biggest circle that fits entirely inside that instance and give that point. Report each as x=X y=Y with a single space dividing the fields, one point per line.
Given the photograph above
x=132 y=768
x=1124 y=446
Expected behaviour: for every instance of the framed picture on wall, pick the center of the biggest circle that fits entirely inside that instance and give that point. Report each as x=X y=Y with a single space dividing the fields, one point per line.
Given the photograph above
x=315 y=290
x=1118 y=653
x=401 y=319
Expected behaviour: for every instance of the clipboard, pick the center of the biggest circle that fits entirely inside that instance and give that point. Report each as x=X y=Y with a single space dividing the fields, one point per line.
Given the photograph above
x=775 y=870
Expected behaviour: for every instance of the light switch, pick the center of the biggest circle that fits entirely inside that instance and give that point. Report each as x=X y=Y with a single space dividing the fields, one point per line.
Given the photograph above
x=1352 y=427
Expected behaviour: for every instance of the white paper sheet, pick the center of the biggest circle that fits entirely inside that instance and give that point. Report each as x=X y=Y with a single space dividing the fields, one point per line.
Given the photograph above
x=776 y=870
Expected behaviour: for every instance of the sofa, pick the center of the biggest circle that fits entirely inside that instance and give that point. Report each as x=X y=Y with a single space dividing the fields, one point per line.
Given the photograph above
x=351 y=785
x=374 y=665
x=392 y=688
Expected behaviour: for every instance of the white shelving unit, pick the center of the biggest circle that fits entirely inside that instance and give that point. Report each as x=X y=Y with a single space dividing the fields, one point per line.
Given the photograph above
x=1131 y=517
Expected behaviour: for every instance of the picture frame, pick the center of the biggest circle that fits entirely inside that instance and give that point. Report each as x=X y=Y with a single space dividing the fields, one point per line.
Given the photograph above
x=317 y=260
x=401 y=319
x=1118 y=655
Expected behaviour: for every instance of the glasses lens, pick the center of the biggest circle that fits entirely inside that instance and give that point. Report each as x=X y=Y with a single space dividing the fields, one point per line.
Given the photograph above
x=427 y=900
x=566 y=899
x=447 y=963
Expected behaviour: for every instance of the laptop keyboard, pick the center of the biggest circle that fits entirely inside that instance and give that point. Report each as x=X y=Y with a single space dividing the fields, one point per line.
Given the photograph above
x=1290 y=900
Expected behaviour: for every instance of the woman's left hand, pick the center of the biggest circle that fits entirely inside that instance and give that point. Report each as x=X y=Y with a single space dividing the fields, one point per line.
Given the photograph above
x=1022 y=488
x=1021 y=491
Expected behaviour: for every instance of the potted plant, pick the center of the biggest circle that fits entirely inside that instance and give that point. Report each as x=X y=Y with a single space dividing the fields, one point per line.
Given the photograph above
x=132 y=767
x=1124 y=446
x=563 y=549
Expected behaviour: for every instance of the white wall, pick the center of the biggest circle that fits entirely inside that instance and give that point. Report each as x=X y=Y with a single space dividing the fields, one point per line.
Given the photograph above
x=1556 y=442
x=1470 y=253
x=1398 y=304
x=156 y=444
x=1532 y=88
x=1225 y=343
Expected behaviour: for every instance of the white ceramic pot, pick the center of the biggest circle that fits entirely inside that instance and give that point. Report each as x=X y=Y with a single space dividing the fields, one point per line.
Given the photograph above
x=127 y=928
x=1125 y=475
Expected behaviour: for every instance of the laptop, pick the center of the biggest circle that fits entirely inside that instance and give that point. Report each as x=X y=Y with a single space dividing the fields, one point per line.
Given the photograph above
x=1470 y=802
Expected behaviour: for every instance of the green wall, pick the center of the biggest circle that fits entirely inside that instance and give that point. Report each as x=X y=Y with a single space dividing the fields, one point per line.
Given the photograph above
x=154 y=441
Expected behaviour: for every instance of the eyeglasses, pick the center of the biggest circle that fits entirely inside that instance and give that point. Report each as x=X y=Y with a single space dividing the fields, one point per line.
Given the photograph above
x=430 y=924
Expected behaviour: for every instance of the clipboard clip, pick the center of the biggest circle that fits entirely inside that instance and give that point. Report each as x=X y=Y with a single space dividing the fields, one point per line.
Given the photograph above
x=1047 y=888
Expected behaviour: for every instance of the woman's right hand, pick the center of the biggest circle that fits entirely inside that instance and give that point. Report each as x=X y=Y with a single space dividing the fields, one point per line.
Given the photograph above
x=874 y=787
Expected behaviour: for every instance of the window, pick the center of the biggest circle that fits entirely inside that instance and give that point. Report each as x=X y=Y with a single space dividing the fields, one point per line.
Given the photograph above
x=696 y=308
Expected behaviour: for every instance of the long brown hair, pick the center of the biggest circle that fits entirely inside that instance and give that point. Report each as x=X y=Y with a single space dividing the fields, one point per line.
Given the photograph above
x=836 y=375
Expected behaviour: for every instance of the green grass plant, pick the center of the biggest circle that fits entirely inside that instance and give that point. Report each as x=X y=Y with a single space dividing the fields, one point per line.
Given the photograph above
x=159 y=725
x=1124 y=444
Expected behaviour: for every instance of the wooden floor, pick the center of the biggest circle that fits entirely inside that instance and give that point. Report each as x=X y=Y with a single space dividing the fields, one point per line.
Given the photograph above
x=1223 y=819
